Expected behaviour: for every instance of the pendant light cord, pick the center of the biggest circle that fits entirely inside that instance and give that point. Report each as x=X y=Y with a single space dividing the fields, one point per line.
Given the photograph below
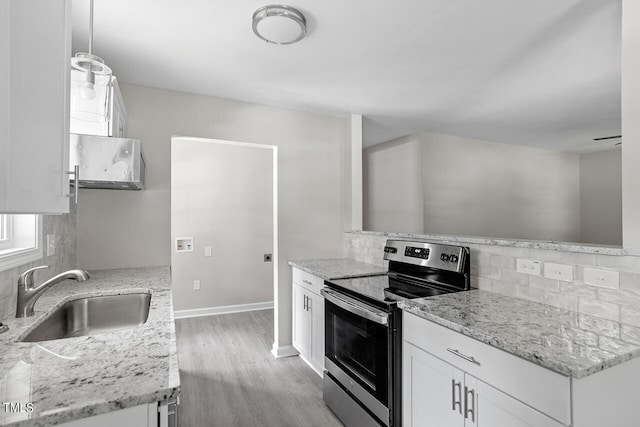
x=90 y=28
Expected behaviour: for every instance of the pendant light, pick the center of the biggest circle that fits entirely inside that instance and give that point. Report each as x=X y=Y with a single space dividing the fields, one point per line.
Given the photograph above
x=91 y=65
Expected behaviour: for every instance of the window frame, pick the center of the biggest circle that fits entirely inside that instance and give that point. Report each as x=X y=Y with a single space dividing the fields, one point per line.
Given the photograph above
x=20 y=240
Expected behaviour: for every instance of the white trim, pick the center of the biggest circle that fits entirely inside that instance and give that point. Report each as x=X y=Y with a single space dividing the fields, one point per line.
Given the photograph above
x=284 y=351
x=224 y=141
x=311 y=365
x=276 y=258
x=210 y=311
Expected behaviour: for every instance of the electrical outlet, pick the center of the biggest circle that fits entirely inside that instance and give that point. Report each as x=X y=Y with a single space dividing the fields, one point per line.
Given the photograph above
x=51 y=244
x=207 y=251
x=602 y=278
x=196 y=285
x=528 y=266
x=558 y=271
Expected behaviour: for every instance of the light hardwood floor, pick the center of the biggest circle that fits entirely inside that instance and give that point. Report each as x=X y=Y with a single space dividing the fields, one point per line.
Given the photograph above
x=229 y=377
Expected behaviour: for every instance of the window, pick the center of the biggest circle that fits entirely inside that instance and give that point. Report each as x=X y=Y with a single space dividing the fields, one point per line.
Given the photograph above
x=20 y=240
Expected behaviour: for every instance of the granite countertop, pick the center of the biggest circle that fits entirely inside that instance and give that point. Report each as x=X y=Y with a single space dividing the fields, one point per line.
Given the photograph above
x=338 y=268
x=566 y=342
x=73 y=378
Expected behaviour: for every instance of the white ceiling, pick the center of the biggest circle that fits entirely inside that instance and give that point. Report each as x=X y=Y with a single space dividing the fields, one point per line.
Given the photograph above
x=543 y=73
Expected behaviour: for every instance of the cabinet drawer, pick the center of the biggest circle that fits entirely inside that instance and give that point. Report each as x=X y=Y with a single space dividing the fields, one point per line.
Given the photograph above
x=547 y=391
x=309 y=281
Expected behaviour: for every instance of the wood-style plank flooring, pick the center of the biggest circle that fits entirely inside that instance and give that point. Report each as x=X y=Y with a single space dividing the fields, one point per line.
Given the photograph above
x=229 y=377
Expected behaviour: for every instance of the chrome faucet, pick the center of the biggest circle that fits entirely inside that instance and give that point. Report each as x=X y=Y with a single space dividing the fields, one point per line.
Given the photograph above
x=28 y=294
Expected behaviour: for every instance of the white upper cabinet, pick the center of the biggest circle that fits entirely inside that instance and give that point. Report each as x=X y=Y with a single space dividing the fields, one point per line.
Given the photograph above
x=35 y=52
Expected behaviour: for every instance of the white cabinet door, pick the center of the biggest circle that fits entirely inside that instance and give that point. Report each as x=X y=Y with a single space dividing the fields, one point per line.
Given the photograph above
x=317 y=331
x=145 y=415
x=494 y=408
x=437 y=394
x=432 y=390
x=301 y=321
x=35 y=54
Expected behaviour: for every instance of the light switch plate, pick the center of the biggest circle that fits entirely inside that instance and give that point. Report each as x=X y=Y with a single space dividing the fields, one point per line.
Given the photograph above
x=528 y=266
x=562 y=272
x=207 y=251
x=196 y=285
x=602 y=278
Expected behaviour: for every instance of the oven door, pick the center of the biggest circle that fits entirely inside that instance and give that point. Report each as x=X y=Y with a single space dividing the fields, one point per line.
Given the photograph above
x=358 y=341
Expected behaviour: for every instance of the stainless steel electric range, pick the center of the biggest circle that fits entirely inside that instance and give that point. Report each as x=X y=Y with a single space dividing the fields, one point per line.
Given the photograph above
x=363 y=328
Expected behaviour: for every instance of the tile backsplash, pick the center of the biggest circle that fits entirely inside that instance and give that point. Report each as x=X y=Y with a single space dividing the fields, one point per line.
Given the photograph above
x=611 y=289
x=63 y=227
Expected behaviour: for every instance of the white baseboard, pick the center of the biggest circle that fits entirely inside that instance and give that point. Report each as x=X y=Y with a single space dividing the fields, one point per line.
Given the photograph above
x=209 y=311
x=319 y=372
x=284 y=351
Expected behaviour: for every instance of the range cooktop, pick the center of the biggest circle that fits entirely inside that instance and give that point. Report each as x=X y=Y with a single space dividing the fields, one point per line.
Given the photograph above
x=416 y=270
x=387 y=290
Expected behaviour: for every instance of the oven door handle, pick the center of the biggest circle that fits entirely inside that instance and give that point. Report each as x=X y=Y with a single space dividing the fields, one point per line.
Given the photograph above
x=356 y=307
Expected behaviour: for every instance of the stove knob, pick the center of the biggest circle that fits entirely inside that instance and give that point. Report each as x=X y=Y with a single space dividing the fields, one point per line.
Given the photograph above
x=453 y=258
x=444 y=257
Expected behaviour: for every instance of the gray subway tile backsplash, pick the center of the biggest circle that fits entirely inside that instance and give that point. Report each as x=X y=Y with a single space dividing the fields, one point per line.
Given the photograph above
x=493 y=269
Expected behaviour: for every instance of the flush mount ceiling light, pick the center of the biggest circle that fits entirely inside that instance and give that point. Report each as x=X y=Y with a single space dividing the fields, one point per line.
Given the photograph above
x=279 y=24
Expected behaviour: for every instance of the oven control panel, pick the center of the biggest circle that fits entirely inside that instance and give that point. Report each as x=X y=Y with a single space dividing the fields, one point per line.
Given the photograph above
x=435 y=255
x=422 y=253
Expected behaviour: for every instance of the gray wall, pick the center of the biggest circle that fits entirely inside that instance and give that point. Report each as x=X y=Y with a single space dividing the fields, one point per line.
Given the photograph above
x=472 y=187
x=222 y=196
x=393 y=195
x=601 y=197
x=121 y=229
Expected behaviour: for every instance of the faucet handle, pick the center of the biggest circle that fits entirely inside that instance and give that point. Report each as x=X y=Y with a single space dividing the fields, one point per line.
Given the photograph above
x=26 y=278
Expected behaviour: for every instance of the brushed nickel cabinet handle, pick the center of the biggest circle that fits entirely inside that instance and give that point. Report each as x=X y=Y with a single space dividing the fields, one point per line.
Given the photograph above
x=467 y=411
x=456 y=384
x=307 y=282
x=463 y=356
x=76 y=182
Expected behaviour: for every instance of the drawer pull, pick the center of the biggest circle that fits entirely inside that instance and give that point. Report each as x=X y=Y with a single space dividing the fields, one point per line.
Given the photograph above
x=456 y=384
x=463 y=356
x=307 y=282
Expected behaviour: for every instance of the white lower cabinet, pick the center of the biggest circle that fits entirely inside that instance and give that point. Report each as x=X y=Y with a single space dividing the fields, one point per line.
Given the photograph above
x=301 y=320
x=137 y=416
x=308 y=319
x=452 y=380
x=156 y=414
x=439 y=394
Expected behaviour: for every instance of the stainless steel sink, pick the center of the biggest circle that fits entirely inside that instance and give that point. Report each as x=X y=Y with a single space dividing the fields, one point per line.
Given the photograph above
x=93 y=315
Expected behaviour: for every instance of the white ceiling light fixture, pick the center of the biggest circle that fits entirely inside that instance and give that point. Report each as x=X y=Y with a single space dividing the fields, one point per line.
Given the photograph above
x=279 y=24
x=90 y=64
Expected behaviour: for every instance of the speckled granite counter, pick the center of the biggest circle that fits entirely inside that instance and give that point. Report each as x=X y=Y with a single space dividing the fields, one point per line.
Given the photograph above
x=74 y=378
x=567 y=342
x=337 y=268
